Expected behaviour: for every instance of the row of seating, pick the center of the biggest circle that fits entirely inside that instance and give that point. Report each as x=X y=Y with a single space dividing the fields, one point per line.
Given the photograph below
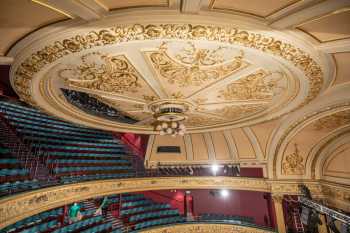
x=92 y=161
x=19 y=185
x=144 y=209
x=41 y=227
x=79 y=224
x=98 y=228
x=153 y=214
x=65 y=147
x=136 y=203
x=81 y=178
x=28 y=133
x=100 y=168
x=155 y=222
x=13 y=172
x=63 y=131
x=16 y=111
x=33 y=220
x=109 y=143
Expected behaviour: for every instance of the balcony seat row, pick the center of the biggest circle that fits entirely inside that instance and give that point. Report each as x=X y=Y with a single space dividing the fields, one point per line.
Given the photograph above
x=81 y=178
x=76 y=148
x=156 y=222
x=153 y=214
x=110 y=143
x=99 y=228
x=153 y=207
x=15 y=111
x=32 y=223
x=76 y=169
x=80 y=224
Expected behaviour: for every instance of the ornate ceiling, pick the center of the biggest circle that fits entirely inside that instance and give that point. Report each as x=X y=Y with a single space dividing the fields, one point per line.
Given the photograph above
x=225 y=77
x=263 y=85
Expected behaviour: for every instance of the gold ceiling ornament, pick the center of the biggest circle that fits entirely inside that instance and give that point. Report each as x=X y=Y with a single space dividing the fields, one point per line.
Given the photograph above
x=295 y=125
x=255 y=86
x=193 y=66
x=293 y=163
x=238 y=111
x=333 y=121
x=197 y=57
x=202 y=120
x=113 y=74
x=122 y=33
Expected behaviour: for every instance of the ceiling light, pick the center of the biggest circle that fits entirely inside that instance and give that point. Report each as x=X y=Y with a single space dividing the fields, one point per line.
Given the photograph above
x=215 y=168
x=169 y=118
x=224 y=193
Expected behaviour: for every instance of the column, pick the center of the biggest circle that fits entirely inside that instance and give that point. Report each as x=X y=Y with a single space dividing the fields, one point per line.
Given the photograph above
x=322 y=228
x=277 y=201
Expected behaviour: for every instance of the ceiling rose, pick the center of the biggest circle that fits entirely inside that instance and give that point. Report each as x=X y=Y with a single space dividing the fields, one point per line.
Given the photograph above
x=166 y=78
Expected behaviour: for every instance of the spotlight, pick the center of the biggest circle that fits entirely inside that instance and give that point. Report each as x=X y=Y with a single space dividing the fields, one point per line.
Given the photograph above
x=224 y=193
x=214 y=168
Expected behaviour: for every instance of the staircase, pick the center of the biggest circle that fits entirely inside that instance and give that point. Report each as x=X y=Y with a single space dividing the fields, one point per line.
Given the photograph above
x=116 y=222
x=30 y=158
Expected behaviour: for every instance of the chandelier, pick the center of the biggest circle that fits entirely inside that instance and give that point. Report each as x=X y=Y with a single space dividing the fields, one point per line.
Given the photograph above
x=169 y=119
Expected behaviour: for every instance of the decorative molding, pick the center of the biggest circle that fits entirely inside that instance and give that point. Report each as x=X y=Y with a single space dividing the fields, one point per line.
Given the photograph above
x=17 y=207
x=87 y=9
x=293 y=163
x=333 y=121
x=205 y=228
x=6 y=60
x=309 y=13
x=298 y=125
x=50 y=53
x=192 y=6
x=337 y=46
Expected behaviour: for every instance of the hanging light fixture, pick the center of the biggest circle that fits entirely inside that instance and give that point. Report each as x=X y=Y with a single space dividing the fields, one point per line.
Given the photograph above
x=170 y=119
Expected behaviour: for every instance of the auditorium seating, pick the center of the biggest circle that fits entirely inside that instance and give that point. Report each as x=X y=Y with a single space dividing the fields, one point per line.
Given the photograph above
x=37 y=223
x=139 y=212
x=69 y=152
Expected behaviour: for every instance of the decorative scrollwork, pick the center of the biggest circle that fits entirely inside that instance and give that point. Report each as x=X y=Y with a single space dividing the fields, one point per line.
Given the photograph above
x=333 y=121
x=195 y=66
x=58 y=49
x=293 y=163
x=101 y=72
x=253 y=86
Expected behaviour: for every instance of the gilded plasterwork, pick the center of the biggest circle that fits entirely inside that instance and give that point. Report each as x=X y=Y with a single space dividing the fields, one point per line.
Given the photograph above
x=254 y=86
x=13 y=209
x=206 y=228
x=101 y=72
x=193 y=66
x=293 y=163
x=237 y=111
x=333 y=121
x=52 y=52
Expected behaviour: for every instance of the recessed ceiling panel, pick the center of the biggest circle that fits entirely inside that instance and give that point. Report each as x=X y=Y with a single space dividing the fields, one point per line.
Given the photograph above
x=332 y=26
x=254 y=7
x=118 y=4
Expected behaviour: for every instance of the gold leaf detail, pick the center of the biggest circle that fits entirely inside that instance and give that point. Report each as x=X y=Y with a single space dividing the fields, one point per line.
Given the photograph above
x=196 y=69
x=333 y=121
x=293 y=163
x=112 y=74
x=253 y=86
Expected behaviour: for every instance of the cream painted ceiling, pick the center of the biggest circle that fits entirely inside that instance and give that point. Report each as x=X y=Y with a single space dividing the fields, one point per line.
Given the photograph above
x=249 y=102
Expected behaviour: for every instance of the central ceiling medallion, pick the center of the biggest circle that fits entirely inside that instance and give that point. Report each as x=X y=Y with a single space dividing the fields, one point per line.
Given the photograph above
x=167 y=79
